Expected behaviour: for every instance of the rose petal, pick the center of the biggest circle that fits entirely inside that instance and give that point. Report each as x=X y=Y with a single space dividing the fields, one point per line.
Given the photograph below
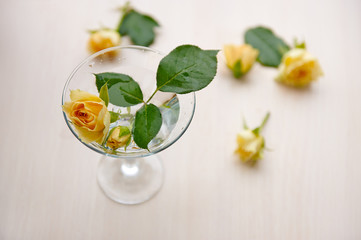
x=78 y=95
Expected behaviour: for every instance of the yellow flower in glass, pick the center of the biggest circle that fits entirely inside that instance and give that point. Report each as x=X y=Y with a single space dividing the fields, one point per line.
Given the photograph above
x=89 y=115
x=119 y=137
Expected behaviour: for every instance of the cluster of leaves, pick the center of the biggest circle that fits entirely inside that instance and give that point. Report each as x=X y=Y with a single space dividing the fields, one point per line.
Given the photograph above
x=271 y=47
x=139 y=27
x=185 y=69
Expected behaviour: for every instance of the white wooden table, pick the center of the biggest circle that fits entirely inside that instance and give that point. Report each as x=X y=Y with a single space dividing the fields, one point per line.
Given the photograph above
x=307 y=187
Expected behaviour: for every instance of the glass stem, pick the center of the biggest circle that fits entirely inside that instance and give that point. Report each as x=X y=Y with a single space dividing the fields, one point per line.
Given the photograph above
x=130 y=167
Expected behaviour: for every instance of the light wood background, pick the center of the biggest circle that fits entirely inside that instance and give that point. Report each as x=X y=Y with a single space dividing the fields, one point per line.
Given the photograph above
x=308 y=186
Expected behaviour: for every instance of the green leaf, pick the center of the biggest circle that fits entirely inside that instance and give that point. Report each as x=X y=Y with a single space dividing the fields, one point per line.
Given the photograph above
x=298 y=44
x=237 y=69
x=109 y=133
x=103 y=94
x=256 y=130
x=127 y=144
x=245 y=126
x=265 y=119
x=271 y=48
x=139 y=27
x=259 y=129
x=123 y=131
x=186 y=69
x=148 y=121
x=123 y=90
x=114 y=116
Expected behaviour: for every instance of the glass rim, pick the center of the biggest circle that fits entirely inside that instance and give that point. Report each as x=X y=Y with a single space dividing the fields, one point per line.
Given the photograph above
x=135 y=155
x=94 y=55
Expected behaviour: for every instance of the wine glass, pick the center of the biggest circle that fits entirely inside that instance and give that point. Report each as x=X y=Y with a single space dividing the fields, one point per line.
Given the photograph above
x=132 y=175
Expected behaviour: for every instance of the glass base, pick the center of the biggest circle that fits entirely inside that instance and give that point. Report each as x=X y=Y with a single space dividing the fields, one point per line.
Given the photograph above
x=130 y=181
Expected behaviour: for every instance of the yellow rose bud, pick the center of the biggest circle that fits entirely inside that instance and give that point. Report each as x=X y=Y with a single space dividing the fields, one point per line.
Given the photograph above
x=250 y=146
x=240 y=58
x=251 y=143
x=298 y=68
x=119 y=137
x=89 y=115
x=103 y=39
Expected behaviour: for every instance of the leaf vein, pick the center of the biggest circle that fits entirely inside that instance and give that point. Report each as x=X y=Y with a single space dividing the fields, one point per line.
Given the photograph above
x=175 y=75
x=264 y=40
x=131 y=95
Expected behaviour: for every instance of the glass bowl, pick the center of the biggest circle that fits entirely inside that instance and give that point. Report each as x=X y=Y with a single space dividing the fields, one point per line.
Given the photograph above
x=132 y=175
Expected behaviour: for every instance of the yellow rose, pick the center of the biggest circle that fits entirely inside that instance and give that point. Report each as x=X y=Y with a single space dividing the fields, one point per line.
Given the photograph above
x=89 y=115
x=251 y=143
x=103 y=39
x=119 y=137
x=298 y=68
x=240 y=58
x=250 y=146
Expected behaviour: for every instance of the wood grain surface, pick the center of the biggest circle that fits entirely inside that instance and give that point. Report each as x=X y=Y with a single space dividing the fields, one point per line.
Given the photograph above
x=308 y=186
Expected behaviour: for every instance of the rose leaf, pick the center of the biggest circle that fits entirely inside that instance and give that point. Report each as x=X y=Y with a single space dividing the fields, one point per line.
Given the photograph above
x=123 y=90
x=271 y=48
x=148 y=121
x=186 y=69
